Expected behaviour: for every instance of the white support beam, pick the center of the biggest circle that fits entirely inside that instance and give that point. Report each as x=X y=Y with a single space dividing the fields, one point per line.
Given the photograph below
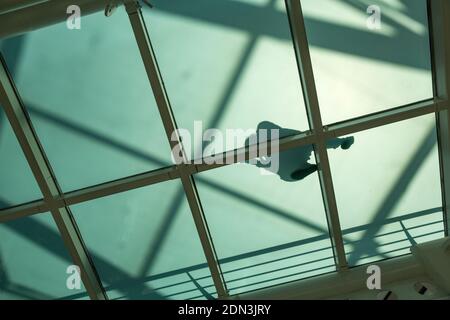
x=117 y=186
x=304 y=63
x=383 y=118
x=250 y=152
x=165 y=111
x=31 y=147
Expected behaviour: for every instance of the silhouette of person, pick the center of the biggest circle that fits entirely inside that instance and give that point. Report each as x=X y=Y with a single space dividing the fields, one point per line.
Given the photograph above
x=293 y=163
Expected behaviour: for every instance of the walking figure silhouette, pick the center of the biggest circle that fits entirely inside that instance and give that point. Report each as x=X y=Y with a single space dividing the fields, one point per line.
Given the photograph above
x=294 y=164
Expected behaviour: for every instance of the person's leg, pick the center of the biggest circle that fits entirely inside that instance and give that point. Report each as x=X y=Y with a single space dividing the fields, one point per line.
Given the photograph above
x=347 y=142
x=344 y=143
x=303 y=173
x=334 y=143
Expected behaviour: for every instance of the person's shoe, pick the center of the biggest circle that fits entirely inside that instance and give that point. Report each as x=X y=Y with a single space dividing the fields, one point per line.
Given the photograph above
x=347 y=143
x=302 y=173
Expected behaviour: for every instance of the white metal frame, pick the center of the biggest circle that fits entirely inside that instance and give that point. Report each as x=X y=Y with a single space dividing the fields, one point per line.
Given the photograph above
x=42 y=171
x=58 y=202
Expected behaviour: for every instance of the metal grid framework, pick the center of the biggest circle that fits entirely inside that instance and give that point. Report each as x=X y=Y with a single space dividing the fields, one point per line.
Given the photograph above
x=58 y=202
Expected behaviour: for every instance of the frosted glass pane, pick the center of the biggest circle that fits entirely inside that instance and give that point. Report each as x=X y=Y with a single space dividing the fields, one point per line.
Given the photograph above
x=266 y=230
x=89 y=99
x=229 y=64
x=34 y=261
x=17 y=184
x=388 y=190
x=361 y=70
x=145 y=245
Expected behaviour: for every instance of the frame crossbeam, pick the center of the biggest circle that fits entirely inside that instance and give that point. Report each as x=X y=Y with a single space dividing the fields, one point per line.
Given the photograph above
x=35 y=155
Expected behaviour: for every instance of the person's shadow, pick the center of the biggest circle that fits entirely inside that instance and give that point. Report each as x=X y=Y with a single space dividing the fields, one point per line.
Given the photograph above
x=294 y=163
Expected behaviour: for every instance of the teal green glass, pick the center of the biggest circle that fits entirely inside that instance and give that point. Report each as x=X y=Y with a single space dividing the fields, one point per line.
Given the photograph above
x=17 y=184
x=368 y=55
x=145 y=245
x=266 y=231
x=388 y=190
x=229 y=64
x=34 y=262
x=89 y=99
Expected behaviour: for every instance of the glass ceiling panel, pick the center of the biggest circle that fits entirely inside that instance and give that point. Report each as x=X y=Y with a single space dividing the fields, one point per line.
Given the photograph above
x=145 y=245
x=361 y=70
x=34 y=261
x=89 y=99
x=388 y=190
x=266 y=230
x=229 y=64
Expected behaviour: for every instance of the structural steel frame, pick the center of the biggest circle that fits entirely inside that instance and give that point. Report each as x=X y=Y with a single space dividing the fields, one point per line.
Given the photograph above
x=58 y=202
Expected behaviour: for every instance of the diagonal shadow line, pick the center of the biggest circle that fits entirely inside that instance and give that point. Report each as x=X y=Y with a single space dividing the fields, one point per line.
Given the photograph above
x=394 y=195
x=260 y=21
x=408 y=235
x=161 y=234
x=414 y=13
x=386 y=221
x=251 y=19
x=120 y=284
x=12 y=50
x=89 y=133
x=414 y=9
x=8 y=286
x=43 y=236
x=4 y=277
x=205 y=293
x=390 y=233
x=328 y=267
x=25 y=292
x=369 y=45
x=233 y=82
x=266 y=207
x=228 y=92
